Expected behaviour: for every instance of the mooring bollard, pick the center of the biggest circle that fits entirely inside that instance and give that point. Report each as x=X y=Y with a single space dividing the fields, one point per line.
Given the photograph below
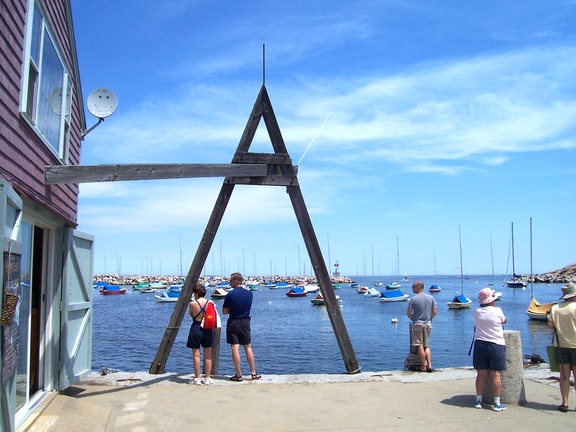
x=513 y=391
x=215 y=351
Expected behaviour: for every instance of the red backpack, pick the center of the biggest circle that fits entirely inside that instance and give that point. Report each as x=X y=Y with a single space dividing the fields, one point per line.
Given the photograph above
x=210 y=320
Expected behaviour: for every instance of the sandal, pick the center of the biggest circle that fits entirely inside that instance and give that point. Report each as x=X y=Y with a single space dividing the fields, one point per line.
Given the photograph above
x=255 y=376
x=563 y=408
x=236 y=378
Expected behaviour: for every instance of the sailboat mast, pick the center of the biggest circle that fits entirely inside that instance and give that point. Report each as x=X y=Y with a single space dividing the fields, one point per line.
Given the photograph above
x=461 y=266
x=397 y=257
x=492 y=255
x=531 y=274
x=513 y=269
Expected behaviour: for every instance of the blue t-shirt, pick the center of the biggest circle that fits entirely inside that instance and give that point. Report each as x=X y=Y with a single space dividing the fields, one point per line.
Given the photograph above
x=239 y=301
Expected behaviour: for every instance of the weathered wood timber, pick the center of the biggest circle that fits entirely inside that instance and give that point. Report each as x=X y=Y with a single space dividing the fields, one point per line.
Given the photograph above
x=121 y=172
x=284 y=170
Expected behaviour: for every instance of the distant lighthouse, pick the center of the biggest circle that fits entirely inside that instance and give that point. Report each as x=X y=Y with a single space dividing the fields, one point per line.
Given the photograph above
x=336 y=269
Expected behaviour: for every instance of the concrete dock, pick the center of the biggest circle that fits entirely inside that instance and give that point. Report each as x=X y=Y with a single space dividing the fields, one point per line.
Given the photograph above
x=369 y=401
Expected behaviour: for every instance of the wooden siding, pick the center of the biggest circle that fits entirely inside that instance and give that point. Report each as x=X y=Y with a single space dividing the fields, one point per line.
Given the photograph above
x=23 y=154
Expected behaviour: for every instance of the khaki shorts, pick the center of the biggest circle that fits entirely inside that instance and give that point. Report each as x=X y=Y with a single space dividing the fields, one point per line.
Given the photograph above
x=420 y=333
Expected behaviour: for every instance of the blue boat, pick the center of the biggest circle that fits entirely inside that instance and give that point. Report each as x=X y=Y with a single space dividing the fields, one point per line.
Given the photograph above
x=393 y=296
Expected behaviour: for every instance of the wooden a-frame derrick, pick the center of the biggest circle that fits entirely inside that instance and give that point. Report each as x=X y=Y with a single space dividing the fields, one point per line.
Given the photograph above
x=274 y=169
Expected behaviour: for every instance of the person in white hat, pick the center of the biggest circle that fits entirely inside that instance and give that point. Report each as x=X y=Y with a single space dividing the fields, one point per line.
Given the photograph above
x=489 y=347
x=563 y=318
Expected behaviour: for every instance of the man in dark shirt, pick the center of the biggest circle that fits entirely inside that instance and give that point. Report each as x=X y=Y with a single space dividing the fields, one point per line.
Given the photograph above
x=237 y=305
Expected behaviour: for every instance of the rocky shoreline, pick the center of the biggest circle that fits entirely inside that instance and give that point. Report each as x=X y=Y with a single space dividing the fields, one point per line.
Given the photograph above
x=563 y=275
x=206 y=280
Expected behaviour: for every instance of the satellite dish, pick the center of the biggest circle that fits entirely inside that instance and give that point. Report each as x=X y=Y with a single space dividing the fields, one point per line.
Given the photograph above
x=102 y=103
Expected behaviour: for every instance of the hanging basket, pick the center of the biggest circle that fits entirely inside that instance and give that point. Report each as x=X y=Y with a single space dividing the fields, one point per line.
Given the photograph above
x=8 y=308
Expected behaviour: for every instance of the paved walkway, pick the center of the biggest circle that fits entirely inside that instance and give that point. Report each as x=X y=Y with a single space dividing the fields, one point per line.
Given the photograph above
x=379 y=401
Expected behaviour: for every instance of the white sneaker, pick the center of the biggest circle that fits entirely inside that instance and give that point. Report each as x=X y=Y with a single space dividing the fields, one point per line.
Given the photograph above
x=196 y=381
x=478 y=405
x=208 y=381
x=499 y=407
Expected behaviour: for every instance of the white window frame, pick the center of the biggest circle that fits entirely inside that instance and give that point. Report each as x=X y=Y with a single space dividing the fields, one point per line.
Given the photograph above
x=46 y=84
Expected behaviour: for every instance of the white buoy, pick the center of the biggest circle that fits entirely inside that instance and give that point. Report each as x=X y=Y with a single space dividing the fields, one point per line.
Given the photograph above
x=394 y=320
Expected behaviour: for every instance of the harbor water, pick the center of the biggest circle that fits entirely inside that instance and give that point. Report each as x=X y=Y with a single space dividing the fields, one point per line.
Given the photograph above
x=292 y=336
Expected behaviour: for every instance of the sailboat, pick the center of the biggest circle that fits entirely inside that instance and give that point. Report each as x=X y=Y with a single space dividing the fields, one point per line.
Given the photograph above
x=536 y=310
x=435 y=288
x=460 y=301
x=515 y=281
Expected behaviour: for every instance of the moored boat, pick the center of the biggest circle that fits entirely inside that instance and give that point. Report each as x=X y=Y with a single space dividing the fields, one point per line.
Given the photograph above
x=435 y=288
x=393 y=286
x=515 y=281
x=372 y=292
x=140 y=286
x=319 y=299
x=539 y=311
x=166 y=296
x=219 y=293
x=112 y=290
x=393 y=296
x=297 y=292
x=459 y=302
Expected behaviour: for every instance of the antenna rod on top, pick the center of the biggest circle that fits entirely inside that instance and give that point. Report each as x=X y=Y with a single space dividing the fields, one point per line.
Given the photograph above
x=263 y=64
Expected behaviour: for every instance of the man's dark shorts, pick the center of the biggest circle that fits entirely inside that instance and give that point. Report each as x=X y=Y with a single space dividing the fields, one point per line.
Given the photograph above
x=238 y=331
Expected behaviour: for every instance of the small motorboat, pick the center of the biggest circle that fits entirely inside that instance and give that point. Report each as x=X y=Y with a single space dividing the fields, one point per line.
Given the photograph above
x=372 y=292
x=539 y=311
x=140 y=286
x=219 y=293
x=435 y=288
x=363 y=289
x=460 y=302
x=393 y=286
x=378 y=283
x=393 y=296
x=112 y=289
x=166 y=296
x=310 y=288
x=297 y=292
x=319 y=299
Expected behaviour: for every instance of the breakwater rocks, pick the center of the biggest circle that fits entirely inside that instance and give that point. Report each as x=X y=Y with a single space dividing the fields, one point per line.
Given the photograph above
x=206 y=280
x=563 y=275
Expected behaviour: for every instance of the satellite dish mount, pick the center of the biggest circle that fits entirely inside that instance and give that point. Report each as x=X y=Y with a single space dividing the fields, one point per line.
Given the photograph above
x=101 y=103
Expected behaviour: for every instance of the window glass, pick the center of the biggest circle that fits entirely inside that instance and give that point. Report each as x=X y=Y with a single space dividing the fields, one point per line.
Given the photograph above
x=36 y=34
x=47 y=94
x=50 y=102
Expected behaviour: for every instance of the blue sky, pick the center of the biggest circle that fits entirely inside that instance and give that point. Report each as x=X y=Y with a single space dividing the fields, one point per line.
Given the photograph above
x=428 y=119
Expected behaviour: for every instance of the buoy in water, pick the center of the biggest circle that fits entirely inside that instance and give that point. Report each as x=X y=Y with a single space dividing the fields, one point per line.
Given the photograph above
x=394 y=320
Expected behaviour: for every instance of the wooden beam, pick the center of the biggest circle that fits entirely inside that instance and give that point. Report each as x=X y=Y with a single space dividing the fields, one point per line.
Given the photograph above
x=105 y=173
x=181 y=306
x=271 y=180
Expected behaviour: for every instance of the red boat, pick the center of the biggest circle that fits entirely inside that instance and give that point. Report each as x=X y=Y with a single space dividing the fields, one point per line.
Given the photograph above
x=112 y=289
